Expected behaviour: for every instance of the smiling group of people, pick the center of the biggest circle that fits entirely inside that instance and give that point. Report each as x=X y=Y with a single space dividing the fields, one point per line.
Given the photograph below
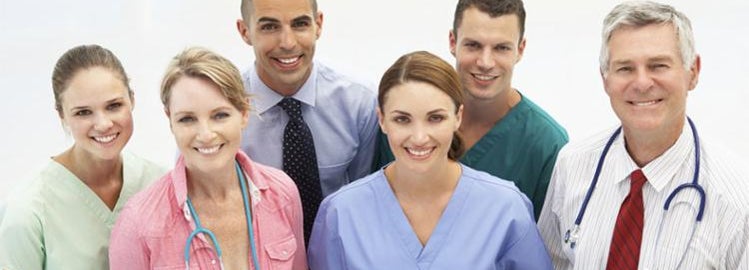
x=291 y=165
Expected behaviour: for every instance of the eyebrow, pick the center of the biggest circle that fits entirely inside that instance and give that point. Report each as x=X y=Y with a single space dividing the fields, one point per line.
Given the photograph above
x=274 y=20
x=86 y=107
x=428 y=113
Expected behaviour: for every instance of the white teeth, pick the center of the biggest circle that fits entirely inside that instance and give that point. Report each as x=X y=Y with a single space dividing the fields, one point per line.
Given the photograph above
x=483 y=77
x=105 y=139
x=210 y=150
x=419 y=153
x=288 y=60
x=646 y=103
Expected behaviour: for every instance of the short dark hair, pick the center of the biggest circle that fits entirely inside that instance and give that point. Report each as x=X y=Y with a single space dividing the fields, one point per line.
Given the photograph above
x=494 y=8
x=246 y=8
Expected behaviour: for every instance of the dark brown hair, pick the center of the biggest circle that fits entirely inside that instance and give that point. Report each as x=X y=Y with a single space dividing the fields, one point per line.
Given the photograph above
x=422 y=66
x=494 y=8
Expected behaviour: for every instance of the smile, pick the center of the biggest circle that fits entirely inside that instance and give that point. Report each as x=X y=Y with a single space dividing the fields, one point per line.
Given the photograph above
x=105 y=139
x=483 y=77
x=419 y=153
x=645 y=103
x=208 y=150
x=288 y=62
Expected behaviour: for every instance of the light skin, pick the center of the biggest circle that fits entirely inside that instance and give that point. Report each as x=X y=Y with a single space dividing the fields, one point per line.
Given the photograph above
x=283 y=34
x=648 y=85
x=208 y=135
x=486 y=50
x=422 y=177
x=97 y=110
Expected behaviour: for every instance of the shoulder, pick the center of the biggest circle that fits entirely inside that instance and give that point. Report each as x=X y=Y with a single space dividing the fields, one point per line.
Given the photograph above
x=150 y=202
x=542 y=121
x=355 y=193
x=141 y=170
x=489 y=184
x=332 y=83
x=277 y=180
x=720 y=173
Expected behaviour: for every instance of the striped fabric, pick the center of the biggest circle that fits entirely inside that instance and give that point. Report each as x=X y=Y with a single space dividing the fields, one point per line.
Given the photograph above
x=625 y=244
x=670 y=240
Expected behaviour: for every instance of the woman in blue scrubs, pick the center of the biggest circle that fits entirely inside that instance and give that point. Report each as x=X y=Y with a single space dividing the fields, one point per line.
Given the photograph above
x=425 y=210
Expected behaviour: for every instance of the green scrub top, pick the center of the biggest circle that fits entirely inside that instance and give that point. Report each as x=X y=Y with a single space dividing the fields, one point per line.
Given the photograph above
x=522 y=148
x=57 y=222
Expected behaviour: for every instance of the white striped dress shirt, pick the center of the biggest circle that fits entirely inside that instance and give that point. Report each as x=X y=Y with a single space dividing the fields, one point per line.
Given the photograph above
x=719 y=242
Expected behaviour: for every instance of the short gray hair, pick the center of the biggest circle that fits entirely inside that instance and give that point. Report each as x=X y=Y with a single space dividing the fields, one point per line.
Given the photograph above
x=642 y=13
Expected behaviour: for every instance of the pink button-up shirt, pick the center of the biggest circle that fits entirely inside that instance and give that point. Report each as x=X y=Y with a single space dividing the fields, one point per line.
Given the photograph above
x=152 y=229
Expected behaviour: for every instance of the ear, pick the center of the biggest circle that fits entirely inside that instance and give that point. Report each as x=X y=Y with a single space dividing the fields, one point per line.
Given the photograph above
x=381 y=120
x=169 y=119
x=694 y=72
x=459 y=117
x=245 y=116
x=318 y=22
x=244 y=31
x=132 y=100
x=453 y=42
x=521 y=50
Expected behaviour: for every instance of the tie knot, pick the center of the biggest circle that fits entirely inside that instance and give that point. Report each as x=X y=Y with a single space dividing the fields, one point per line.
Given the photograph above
x=637 y=179
x=292 y=107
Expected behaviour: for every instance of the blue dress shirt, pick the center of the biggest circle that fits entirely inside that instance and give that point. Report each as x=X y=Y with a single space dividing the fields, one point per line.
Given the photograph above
x=339 y=112
x=487 y=224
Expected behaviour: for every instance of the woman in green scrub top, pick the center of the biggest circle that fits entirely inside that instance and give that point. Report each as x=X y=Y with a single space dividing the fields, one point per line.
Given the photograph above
x=63 y=218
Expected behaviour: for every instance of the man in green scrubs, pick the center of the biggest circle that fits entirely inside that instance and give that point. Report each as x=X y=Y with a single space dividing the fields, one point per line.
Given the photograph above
x=506 y=134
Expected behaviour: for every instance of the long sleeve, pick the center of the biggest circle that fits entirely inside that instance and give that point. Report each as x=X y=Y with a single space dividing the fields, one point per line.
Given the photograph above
x=361 y=164
x=126 y=247
x=548 y=224
x=21 y=240
x=325 y=249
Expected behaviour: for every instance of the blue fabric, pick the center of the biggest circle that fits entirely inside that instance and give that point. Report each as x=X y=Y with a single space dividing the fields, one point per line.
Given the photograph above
x=340 y=114
x=487 y=224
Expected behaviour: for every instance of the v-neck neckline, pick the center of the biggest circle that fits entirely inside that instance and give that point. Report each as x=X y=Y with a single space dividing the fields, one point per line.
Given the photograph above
x=426 y=254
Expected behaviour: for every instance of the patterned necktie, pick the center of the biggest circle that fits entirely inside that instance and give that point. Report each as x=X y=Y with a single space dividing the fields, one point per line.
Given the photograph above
x=300 y=161
x=624 y=252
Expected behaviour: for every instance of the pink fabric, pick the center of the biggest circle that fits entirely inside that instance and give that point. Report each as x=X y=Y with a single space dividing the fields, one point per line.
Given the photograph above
x=152 y=229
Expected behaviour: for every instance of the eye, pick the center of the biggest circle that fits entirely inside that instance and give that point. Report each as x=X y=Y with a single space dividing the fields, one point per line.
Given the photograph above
x=114 y=106
x=659 y=66
x=220 y=115
x=268 y=27
x=472 y=45
x=624 y=69
x=401 y=119
x=300 y=24
x=83 y=113
x=503 y=48
x=186 y=119
x=436 y=118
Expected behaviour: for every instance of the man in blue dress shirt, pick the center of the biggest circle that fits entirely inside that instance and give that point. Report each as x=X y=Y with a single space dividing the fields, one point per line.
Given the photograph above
x=340 y=113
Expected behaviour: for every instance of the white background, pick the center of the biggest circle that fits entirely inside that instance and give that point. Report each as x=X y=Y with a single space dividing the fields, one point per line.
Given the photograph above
x=360 y=38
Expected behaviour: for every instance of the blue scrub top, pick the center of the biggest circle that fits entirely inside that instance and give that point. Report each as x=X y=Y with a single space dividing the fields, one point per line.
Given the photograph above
x=487 y=224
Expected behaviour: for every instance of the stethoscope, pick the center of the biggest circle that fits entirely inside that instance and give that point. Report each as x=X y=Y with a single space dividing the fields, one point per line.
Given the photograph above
x=571 y=236
x=200 y=229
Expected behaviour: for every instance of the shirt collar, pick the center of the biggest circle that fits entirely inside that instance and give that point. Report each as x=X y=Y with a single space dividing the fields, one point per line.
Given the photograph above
x=255 y=180
x=662 y=169
x=265 y=98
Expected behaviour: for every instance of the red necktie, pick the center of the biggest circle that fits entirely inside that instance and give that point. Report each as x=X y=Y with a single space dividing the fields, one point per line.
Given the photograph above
x=625 y=243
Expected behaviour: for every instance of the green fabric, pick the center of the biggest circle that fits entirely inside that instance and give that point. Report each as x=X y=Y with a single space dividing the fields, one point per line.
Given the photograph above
x=522 y=148
x=57 y=222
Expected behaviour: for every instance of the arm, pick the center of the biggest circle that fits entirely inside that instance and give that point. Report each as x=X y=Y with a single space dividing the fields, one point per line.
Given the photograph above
x=325 y=249
x=126 y=247
x=297 y=227
x=528 y=251
x=361 y=164
x=544 y=178
x=21 y=239
x=548 y=223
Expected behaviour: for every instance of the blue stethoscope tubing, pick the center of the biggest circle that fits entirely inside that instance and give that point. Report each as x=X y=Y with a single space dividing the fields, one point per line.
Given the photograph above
x=572 y=234
x=200 y=229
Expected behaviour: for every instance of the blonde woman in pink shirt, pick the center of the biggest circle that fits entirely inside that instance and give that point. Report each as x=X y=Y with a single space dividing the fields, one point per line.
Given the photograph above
x=216 y=208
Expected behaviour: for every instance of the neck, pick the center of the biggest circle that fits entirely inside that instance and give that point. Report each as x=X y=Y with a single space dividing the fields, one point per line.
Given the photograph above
x=645 y=147
x=282 y=88
x=424 y=185
x=214 y=185
x=480 y=112
x=91 y=170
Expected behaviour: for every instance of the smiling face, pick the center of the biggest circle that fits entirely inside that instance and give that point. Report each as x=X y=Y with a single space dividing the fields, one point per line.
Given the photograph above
x=486 y=50
x=646 y=80
x=206 y=126
x=419 y=133
x=283 y=34
x=97 y=108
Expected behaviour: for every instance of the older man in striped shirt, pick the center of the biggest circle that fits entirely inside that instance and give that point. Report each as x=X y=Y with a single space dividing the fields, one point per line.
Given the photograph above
x=605 y=204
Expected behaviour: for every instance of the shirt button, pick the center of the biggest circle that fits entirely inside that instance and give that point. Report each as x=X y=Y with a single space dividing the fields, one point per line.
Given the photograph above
x=285 y=252
x=213 y=261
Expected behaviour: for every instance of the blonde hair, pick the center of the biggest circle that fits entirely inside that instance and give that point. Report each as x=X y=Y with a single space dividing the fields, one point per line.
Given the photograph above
x=199 y=62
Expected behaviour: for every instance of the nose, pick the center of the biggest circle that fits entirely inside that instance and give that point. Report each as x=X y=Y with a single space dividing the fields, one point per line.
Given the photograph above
x=643 y=80
x=103 y=123
x=206 y=133
x=420 y=135
x=288 y=39
x=485 y=60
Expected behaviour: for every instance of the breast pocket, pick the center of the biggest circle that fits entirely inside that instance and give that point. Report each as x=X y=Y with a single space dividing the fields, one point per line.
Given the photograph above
x=282 y=252
x=334 y=176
